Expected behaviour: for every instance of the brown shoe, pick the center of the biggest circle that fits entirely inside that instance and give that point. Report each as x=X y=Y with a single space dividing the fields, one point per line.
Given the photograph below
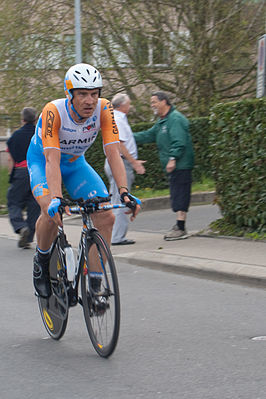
x=124 y=242
x=175 y=234
x=24 y=236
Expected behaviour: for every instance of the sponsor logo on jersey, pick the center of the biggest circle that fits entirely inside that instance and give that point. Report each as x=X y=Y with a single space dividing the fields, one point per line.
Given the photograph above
x=78 y=141
x=49 y=123
x=86 y=128
x=67 y=129
x=110 y=107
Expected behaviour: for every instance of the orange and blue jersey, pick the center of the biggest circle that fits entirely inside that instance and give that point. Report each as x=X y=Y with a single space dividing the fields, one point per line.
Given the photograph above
x=57 y=129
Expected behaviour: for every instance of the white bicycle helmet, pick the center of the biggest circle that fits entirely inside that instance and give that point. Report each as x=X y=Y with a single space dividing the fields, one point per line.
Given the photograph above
x=82 y=76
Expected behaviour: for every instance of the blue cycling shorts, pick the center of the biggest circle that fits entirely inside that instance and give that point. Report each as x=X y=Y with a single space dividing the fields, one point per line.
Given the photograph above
x=80 y=179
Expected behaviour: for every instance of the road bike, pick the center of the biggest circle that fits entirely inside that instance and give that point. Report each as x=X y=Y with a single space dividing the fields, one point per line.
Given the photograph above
x=94 y=275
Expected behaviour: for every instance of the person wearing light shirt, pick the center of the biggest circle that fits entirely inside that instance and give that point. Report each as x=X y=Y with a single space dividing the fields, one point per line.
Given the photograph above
x=129 y=154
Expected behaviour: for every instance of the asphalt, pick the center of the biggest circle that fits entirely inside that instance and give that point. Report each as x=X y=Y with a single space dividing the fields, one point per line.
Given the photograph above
x=229 y=259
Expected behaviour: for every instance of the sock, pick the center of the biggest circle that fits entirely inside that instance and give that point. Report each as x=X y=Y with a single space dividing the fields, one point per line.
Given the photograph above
x=43 y=255
x=181 y=224
x=96 y=274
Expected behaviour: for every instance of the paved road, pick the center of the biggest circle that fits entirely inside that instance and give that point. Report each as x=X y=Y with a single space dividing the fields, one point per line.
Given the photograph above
x=181 y=338
x=161 y=220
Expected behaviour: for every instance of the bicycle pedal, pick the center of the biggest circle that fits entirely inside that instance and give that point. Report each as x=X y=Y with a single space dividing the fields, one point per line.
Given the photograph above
x=42 y=297
x=73 y=301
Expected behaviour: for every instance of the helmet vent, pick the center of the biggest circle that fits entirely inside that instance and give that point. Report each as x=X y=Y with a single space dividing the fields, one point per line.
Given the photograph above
x=94 y=79
x=88 y=71
x=76 y=77
x=84 y=80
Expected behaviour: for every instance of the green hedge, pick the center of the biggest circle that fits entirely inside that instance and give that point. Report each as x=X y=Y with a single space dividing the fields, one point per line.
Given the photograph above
x=154 y=176
x=199 y=130
x=238 y=156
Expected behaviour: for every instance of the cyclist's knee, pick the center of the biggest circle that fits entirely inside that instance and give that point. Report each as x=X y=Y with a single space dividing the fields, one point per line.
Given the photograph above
x=46 y=223
x=44 y=204
x=104 y=220
x=107 y=219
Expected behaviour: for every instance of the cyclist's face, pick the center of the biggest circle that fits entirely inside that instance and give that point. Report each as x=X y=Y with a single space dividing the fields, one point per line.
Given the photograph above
x=85 y=101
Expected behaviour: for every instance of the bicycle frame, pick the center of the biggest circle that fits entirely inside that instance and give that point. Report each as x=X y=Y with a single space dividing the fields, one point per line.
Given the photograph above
x=85 y=234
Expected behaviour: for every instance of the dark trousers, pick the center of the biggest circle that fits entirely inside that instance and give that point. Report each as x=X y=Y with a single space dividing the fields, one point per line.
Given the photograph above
x=19 y=197
x=180 y=189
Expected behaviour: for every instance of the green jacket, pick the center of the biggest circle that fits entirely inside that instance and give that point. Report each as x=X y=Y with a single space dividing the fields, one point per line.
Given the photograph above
x=171 y=134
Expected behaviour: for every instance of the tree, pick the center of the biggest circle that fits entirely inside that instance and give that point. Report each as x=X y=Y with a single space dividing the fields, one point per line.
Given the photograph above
x=32 y=57
x=199 y=51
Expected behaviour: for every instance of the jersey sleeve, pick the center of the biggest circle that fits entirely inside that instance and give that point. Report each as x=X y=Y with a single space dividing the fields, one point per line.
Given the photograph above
x=108 y=126
x=51 y=122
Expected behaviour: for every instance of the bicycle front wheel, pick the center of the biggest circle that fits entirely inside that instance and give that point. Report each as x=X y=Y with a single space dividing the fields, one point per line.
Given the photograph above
x=101 y=302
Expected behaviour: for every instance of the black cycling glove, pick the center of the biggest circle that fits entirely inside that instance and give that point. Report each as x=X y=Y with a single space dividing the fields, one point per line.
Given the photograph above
x=133 y=201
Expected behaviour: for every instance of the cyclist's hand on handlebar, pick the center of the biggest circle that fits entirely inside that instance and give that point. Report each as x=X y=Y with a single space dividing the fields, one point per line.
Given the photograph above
x=53 y=209
x=53 y=206
x=132 y=202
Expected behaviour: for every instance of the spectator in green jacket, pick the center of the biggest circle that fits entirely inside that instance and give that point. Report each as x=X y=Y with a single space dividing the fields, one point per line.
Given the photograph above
x=171 y=134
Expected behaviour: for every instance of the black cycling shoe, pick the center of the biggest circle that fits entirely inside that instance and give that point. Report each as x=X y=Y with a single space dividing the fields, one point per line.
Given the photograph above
x=72 y=296
x=96 y=283
x=99 y=303
x=41 y=277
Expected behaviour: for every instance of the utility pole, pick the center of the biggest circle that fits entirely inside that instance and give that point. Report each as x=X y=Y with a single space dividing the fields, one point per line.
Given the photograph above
x=78 y=41
x=261 y=69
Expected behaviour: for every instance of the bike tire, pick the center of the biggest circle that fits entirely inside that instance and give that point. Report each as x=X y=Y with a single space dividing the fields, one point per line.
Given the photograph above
x=102 y=325
x=54 y=310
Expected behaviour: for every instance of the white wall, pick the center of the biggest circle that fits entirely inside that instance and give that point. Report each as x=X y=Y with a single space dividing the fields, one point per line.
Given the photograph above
x=3 y=153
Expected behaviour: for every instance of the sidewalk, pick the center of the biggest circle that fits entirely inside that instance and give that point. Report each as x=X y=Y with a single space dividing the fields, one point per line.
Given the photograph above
x=236 y=260
x=216 y=258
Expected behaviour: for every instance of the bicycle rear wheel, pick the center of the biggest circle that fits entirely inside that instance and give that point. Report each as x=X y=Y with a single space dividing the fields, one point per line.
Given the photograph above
x=54 y=310
x=101 y=307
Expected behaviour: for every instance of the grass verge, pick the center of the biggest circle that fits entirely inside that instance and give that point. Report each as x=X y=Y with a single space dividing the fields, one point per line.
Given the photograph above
x=204 y=185
x=221 y=227
x=3 y=189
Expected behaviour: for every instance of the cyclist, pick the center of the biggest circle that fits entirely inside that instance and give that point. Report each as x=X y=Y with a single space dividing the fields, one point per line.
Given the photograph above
x=65 y=130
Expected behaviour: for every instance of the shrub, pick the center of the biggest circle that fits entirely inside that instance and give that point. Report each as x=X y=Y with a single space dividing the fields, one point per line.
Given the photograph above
x=238 y=155
x=154 y=177
x=199 y=130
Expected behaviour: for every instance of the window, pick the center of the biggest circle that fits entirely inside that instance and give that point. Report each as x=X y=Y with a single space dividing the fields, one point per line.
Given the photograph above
x=159 y=54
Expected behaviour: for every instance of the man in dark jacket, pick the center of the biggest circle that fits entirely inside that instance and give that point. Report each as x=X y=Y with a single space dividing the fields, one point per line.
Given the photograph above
x=171 y=134
x=19 y=194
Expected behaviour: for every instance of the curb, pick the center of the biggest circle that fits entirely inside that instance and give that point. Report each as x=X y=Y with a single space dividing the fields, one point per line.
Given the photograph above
x=153 y=204
x=198 y=267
